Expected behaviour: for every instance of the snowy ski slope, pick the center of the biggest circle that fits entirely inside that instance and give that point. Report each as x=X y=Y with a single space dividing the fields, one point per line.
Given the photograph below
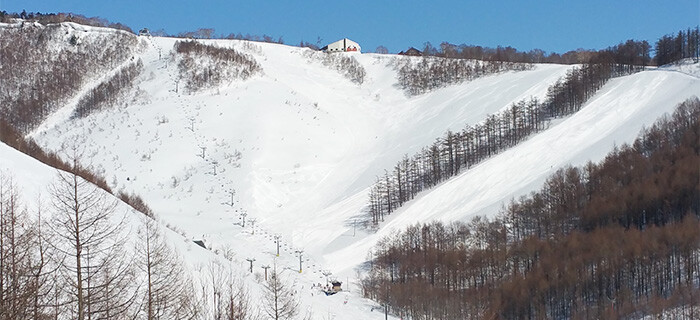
x=297 y=147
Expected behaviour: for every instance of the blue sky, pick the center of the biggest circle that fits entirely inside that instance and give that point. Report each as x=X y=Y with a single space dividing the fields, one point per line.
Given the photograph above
x=550 y=25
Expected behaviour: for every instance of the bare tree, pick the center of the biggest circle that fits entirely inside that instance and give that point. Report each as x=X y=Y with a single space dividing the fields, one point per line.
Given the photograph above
x=21 y=256
x=237 y=301
x=280 y=302
x=230 y=298
x=13 y=257
x=114 y=292
x=381 y=49
x=168 y=293
x=87 y=243
x=43 y=270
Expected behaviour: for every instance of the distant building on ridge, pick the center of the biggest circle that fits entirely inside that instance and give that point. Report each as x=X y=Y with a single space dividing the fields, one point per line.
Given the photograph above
x=343 y=45
x=411 y=52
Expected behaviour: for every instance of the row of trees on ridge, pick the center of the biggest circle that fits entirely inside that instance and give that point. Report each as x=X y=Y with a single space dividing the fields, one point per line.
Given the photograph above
x=428 y=73
x=205 y=66
x=52 y=18
x=669 y=48
x=457 y=151
x=109 y=92
x=346 y=65
x=685 y=44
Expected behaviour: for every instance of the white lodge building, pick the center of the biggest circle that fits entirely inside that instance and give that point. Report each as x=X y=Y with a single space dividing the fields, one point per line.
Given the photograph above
x=342 y=45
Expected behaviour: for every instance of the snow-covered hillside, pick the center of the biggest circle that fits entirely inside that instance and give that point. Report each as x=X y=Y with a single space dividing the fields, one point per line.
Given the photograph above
x=33 y=178
x=297 y=147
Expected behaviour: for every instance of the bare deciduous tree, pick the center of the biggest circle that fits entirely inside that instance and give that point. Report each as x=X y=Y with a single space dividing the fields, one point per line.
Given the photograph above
x=229 y=297
x=88 y=238
x=280 y=302
x=382 y=50
x=168 y=292
x=22 y=257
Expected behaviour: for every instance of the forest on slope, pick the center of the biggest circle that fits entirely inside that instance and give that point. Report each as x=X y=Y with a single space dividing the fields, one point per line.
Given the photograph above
x=43 y=67
x=613 y=239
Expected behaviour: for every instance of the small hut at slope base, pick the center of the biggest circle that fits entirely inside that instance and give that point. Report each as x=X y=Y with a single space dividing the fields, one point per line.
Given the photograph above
x=333 y=288
x=343 y=45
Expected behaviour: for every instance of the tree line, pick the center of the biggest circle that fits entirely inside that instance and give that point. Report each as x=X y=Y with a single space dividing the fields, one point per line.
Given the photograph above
x=49 y=18
x=346 y=65
x=209 y=33
x=431 y=73
x=616 y=239
x=109 y=92
x=669 y=48
x=452 y=64
x=628 y=52
x=205 y=66
x=457 y=151
x=685 y=44
x=41 y=67
x=53 y=18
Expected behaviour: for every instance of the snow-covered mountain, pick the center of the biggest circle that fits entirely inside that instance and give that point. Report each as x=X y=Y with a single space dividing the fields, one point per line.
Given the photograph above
x=296 y=147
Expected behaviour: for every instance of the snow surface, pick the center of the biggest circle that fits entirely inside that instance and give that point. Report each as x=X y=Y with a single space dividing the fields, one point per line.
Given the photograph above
x=33 y=178
x=311 y=143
